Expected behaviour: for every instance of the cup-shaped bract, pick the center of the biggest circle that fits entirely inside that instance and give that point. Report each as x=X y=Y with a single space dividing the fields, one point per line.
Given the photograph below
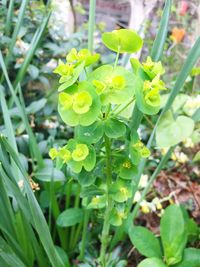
x=115 y=85
x=122 y=41
x=76 y=155
x=79 y=104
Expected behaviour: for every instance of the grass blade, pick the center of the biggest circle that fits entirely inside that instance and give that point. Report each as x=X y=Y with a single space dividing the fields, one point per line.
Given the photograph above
x=9 y=18
x=34 y=145
x=16 y=30
x=158 y=45
x=8 y=255
x=33 y=46
x=38 y=219
x=9 y=131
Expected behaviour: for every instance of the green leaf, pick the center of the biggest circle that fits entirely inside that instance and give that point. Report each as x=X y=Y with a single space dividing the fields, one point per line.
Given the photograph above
x=33 y=46
x=8 y=255
x=33 y=71
x=70 y=217
x=145 y=242
x=123 y=40
x=90 y=134
x=114 y=128
x=170 y=131
x=173 y=234
x=191 y=258
x=90 y=191
x=49 y=174
x=153 y=262
x=158 y=45
x=86 y=178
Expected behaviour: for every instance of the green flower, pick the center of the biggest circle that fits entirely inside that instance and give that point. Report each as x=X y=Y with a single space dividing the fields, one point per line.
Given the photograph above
x=82 y=156
x=69 y=73
x=80 y=152
x=97 y=202
x=53 y=153
x=76 y=155
x=127 y=169
x=117 y=216
x=137 y=151
x=114 y=85
x=148 y=94
x=64 y=154
x=83 y=55
x=151 y=91
x=79 y=105
x=153 y=68
x=120 y=190
x=64 y=69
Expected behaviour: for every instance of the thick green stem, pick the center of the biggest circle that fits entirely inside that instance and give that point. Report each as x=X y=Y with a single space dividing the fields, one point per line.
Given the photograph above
x=106 y=225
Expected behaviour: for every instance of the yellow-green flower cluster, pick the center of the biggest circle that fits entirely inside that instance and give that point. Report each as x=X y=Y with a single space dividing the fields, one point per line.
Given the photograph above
x=137 y=151
x=83 y=55
x=114 y=85
x=151 y=91
x=79 y=104
x=75 y=63
x=76 y=155
x=153 y=86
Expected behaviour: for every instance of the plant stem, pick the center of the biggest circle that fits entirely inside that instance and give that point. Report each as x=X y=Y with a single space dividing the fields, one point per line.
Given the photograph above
x=106 y=225
x=91 y=25
x=124 y=107
x=117 y=57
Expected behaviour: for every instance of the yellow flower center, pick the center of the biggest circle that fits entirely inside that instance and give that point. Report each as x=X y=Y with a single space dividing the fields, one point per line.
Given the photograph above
x=66 y=100
x=80 y=153
x=127 y=164
x=117 y=83
x=82 y=102
x=65 y=154
x=53 y=153
x=124 y=190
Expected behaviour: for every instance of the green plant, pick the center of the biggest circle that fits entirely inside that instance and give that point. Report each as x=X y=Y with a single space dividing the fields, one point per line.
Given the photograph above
x=94 y=105
x=96 y=173
x=175 y=230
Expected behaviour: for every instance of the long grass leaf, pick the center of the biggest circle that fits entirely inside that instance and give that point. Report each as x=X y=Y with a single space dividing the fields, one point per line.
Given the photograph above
x=9 y=18
x=158 y=45
x=33 y=46
x=16 y=30
x=13 y=188
x=8 y=255
x=9 y=131
x=23 y=115
x=38 y=219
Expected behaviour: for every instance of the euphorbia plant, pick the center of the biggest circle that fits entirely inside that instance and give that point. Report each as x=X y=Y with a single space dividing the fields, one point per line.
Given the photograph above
x=94 y=106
